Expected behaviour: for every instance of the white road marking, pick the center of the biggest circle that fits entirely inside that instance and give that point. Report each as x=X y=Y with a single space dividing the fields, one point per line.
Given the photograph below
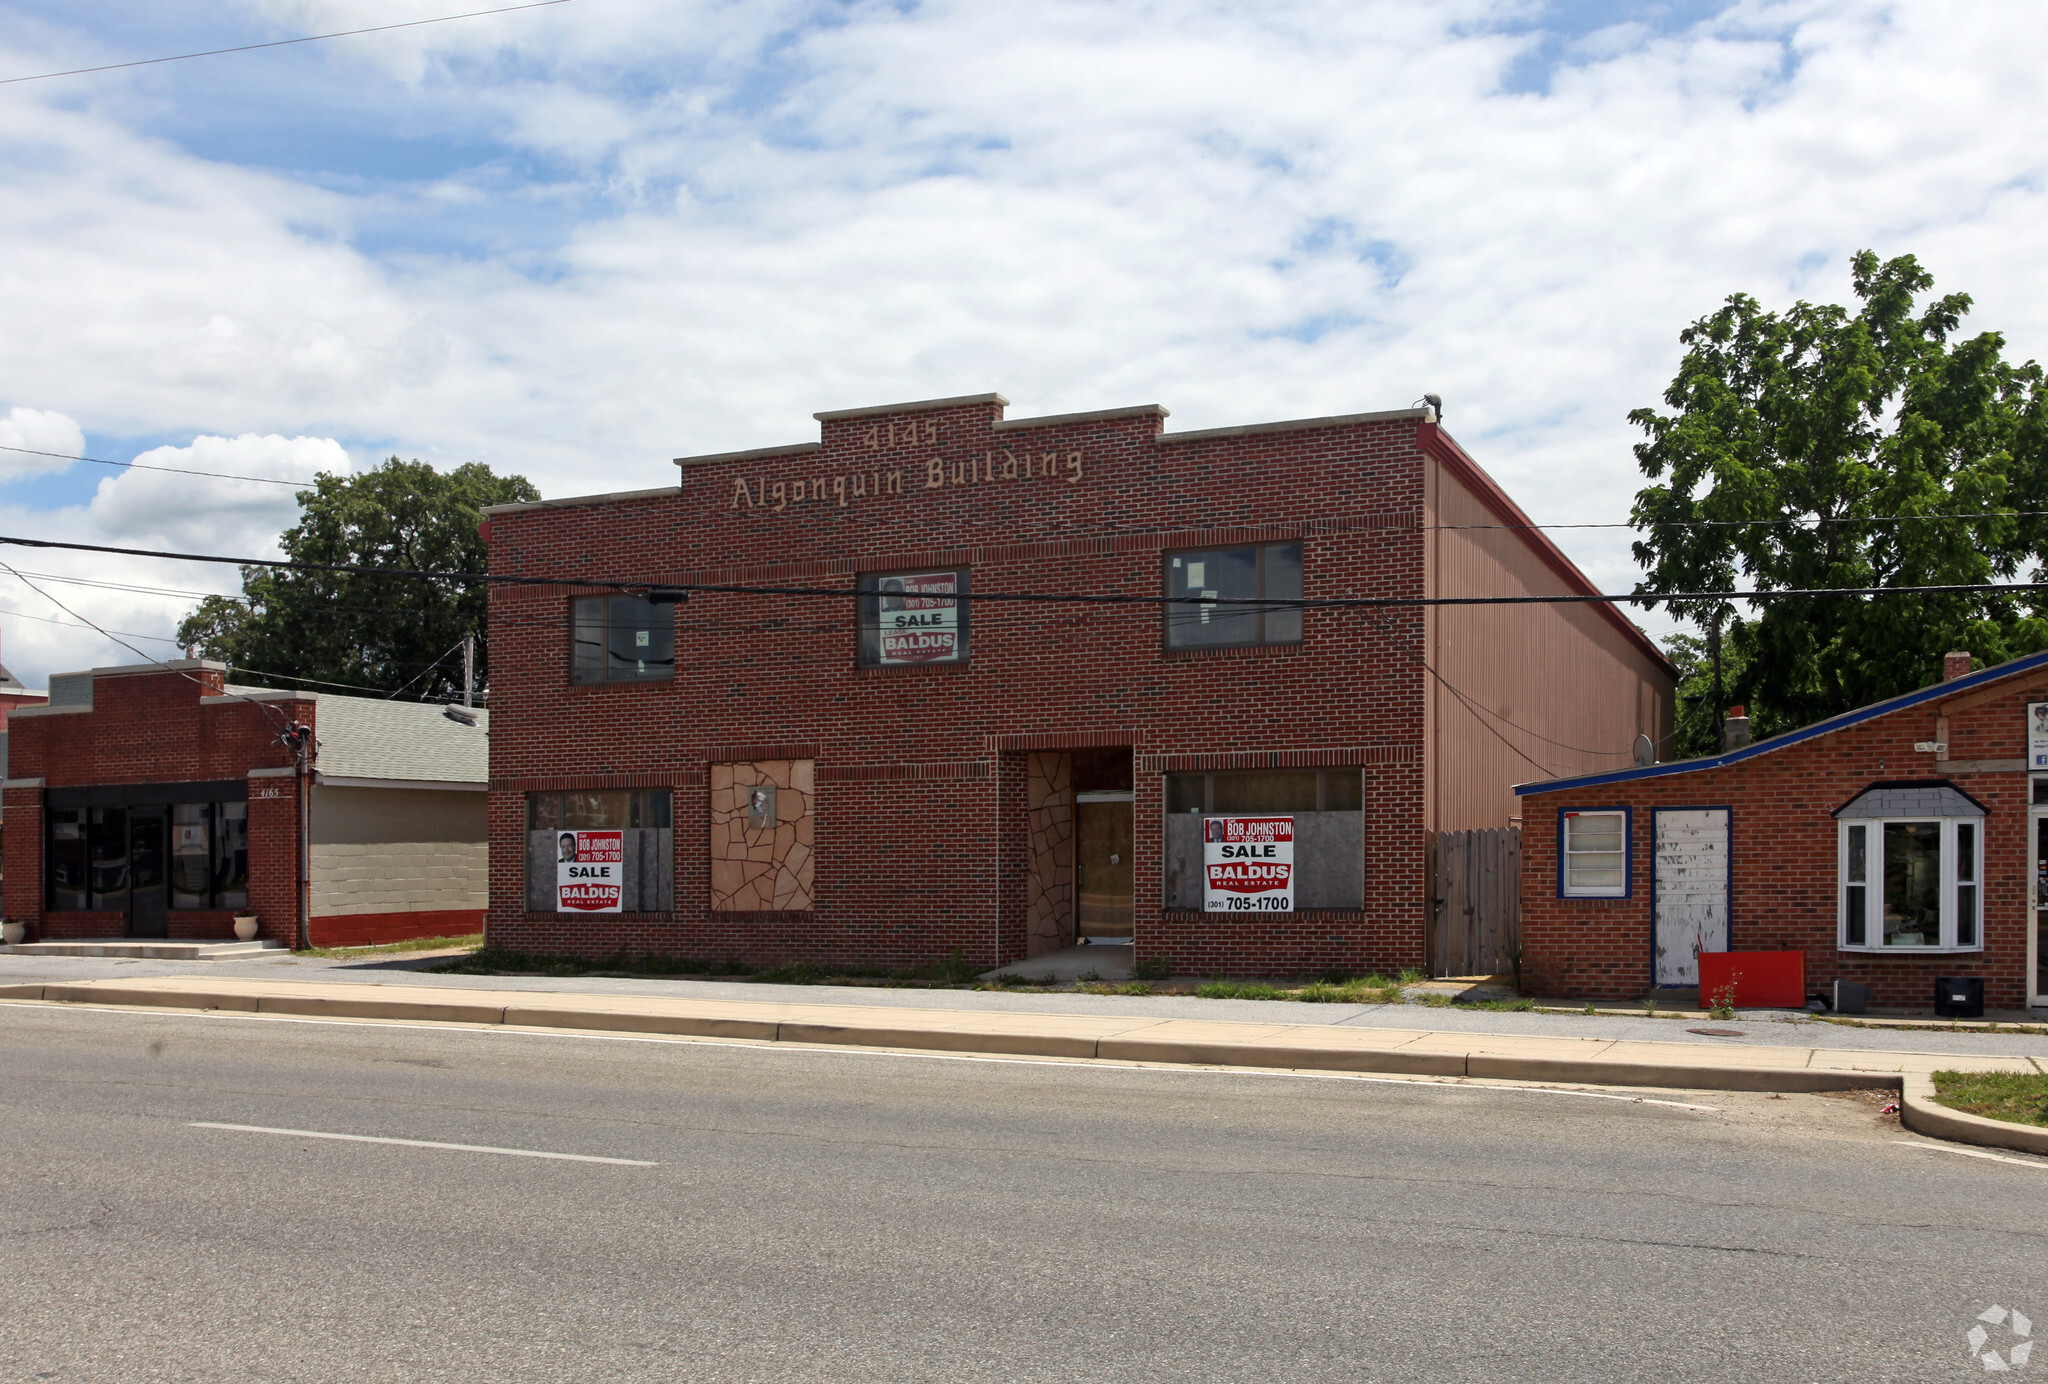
x=423 y=1144
x=1970 y=1153
x=764 y=1045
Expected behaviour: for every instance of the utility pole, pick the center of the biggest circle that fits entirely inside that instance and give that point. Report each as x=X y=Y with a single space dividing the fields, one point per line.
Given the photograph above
x=468 y=667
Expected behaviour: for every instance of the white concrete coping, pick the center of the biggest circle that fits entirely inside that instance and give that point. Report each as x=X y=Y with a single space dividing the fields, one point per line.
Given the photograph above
x=1338 y=420
x=836 y=415
x=1100 y=415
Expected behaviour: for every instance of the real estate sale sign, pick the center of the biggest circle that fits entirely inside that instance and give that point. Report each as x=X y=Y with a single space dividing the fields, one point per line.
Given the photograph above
x=590 y=871
x=1248 y=865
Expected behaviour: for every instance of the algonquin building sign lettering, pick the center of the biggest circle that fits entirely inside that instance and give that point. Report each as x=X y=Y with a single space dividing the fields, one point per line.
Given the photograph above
x=994 y=467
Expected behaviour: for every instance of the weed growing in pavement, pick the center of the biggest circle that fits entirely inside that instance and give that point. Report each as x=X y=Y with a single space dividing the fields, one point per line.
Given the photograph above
x=1649 y=1009
x=1152 y=968
x=1237 y=990
x=1134 y=987
x=470 y=941
x=1411 y=976
x=1589 y=1006
x=1365 y=990
x=1506 y=1006
x=1721 y=1004
x=1439 y=1001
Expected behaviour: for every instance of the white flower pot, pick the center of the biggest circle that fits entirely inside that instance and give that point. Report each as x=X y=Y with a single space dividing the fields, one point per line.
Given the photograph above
x=245 y=926
x=11 y=933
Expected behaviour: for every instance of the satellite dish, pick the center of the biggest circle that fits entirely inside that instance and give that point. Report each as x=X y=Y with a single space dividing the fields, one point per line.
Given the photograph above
x=1646 y=752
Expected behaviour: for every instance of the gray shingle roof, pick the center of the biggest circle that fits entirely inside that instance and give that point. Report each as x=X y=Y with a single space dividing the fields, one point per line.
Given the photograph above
x=1911 y=800
x=369 y=737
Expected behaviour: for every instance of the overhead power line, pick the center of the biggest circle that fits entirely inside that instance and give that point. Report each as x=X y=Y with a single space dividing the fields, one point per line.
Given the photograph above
x=281 y=42
x=145 y=466
x=655 y=584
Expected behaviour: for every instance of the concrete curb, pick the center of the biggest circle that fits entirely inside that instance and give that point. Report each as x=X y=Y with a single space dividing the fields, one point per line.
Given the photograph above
x=1301 y=1054
x=1921 y=1113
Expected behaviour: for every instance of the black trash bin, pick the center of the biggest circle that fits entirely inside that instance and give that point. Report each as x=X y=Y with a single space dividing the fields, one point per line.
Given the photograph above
x=1959 y=997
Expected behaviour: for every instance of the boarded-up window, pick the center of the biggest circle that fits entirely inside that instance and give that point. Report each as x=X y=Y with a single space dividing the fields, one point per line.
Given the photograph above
x=1329 y=830
x=643 y=818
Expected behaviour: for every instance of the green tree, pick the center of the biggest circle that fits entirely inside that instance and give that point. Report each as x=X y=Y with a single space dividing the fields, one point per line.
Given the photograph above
x=390 y=633
x=1820 y=448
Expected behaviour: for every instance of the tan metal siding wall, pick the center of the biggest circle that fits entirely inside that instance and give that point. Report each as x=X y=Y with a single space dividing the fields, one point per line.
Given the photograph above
x=1568 y=692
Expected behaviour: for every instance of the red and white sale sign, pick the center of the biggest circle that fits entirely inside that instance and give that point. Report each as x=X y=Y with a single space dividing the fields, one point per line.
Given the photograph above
x=1248 y=865
x=590 y=871
x=920 y=618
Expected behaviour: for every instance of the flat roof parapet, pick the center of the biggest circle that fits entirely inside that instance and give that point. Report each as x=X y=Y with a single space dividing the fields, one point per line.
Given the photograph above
x=791 y=449
x=916 y=405
x=1055 y=420
x=1297 y=424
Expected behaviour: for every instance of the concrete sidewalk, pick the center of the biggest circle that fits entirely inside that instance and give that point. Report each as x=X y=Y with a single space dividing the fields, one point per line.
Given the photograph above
x=1110 y=1037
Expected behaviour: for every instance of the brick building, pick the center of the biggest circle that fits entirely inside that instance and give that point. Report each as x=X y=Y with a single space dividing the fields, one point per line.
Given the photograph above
x=1892 y=845
x=156 y=801
x=897 y=763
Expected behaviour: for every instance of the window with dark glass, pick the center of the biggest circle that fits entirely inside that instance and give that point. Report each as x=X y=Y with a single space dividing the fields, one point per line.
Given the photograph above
x=621 y=639
x=99 y=855
x=1911 y=885
x=1217 y=596
x=911 y=619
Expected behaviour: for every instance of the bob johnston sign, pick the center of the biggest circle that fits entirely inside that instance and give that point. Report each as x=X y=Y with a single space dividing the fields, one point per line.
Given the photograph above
x=993 y=467
x=1248 y=865
x=590 y=871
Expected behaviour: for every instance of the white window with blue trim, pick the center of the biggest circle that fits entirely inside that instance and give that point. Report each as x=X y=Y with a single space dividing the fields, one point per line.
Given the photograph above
x=1593 y=850
x=1911 y=866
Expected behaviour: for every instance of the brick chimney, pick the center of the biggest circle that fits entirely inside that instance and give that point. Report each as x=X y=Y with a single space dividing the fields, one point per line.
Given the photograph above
x=1955 y=664
x=1735 y=728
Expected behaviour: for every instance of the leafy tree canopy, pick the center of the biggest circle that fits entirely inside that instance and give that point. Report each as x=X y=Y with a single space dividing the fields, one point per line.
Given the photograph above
x=1820 y=448
x=393 y=634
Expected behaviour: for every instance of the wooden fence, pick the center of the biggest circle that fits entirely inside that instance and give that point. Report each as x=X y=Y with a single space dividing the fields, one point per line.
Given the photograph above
x=1476 y=925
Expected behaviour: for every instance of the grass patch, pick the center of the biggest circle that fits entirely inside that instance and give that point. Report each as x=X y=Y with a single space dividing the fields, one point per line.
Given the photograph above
x=2017 y=1097
x=1238 y=990
x=1506 y=1006
x=1364 y=990
x=939 y=972
x=471 y=940
x=1152 y=968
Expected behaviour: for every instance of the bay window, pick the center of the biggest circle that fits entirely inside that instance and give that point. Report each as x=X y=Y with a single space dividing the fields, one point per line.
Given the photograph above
x=1911 y=859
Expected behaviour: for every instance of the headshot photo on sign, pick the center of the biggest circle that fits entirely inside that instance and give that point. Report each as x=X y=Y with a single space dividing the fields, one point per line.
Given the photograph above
x=761 y=808
x=892 y=593
x=1212 y=830
x=566 y=847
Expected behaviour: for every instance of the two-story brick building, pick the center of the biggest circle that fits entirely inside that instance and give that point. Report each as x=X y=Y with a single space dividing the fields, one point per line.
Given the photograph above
x=986 y=684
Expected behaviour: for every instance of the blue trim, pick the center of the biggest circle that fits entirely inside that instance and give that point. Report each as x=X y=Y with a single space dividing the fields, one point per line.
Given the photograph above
x=1779 y=742
x=1730 y=888
x=1628 y=851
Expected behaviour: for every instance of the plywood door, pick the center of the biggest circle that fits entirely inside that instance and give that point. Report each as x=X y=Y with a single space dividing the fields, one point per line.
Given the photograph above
x=1102 y=856
x=1691 y=863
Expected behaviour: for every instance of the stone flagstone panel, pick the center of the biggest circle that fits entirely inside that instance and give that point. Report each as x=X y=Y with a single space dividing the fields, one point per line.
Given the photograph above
x=762 y=869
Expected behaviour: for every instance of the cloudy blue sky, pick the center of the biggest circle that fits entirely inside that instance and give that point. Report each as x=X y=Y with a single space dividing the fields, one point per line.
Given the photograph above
x=576 y=241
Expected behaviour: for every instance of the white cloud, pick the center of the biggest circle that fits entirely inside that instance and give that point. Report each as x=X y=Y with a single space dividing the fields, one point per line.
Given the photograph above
x=46 y=441
x=1241 y=211
x=238 y=510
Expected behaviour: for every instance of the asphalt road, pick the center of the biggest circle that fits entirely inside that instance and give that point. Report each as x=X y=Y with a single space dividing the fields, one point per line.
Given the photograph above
x=823 y=1215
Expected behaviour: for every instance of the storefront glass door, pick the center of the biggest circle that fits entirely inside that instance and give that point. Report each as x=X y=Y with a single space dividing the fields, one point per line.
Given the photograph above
x=147 y=861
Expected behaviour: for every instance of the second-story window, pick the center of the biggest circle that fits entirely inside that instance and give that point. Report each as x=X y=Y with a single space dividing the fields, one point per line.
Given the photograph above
x=1217 y=592
x=911 y=619
x=621 y=639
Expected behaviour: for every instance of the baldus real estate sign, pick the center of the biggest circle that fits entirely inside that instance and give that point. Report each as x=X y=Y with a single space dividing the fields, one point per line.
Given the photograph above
x=1248 y=865
x=590 y=871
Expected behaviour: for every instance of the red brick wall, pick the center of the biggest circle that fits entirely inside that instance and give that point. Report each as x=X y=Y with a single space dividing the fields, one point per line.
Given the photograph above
x=1783 y=844
x=915 y=857
x=149 y=727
